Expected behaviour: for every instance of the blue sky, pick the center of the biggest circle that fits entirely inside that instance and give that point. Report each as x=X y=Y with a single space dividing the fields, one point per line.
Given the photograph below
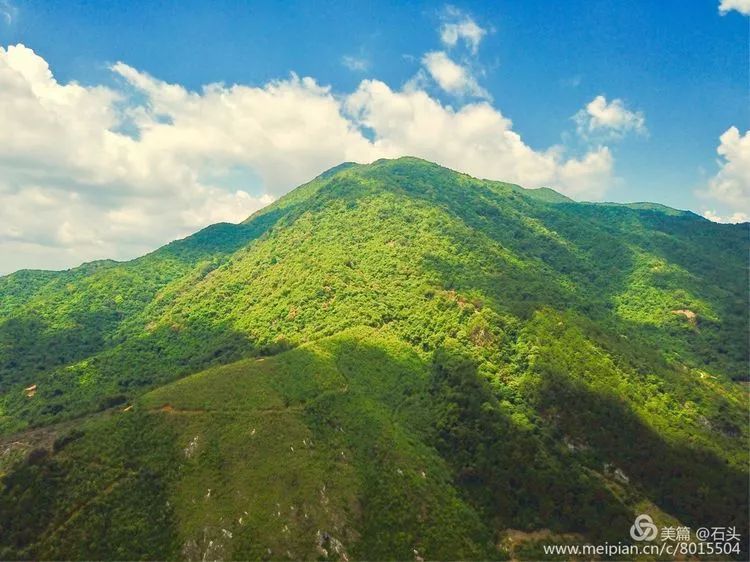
x=671 y=80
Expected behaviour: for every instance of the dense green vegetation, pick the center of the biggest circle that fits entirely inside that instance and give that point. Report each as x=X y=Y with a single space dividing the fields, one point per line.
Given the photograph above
x=393 y=361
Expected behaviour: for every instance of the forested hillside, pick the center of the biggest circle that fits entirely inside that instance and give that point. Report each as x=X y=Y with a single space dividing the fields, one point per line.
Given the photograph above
x=394 y=361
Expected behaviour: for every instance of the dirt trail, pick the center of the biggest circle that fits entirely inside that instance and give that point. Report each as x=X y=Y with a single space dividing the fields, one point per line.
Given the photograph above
x=170 y=409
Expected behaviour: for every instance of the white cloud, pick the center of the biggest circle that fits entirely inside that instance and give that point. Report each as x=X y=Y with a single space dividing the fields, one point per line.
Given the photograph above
x=611 y=119
x=452 y=77
x=731 y=185
x=357 y=64
x=476 y=139
x=89 y=172
x=731 y=219
x=285 y=131
x=461 y=28
x=742 y=6
x=78 y=189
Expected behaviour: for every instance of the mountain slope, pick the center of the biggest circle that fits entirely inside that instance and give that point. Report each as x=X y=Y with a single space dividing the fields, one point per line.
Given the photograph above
x=515 y=346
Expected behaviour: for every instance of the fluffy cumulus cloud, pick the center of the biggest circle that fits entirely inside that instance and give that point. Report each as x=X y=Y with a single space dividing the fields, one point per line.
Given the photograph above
x=461 y=28
x=455 y=78
x=611 y=119
x=452 y=77
x=741 y=6
x=89 y=172
x=74 y=186
x=730 y=187
x=476 y=139
x=733 y=218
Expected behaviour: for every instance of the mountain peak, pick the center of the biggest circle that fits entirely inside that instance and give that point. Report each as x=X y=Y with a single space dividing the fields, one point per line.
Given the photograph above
x=394 y=334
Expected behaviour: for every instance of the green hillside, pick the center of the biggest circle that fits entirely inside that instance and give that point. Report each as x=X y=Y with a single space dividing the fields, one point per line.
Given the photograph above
x=394 y=361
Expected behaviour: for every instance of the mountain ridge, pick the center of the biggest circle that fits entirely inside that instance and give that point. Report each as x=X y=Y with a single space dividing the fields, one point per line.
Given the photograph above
x=542 y=191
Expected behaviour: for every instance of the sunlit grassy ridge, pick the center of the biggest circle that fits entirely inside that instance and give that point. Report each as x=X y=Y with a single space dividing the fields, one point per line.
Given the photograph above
x=414 y=359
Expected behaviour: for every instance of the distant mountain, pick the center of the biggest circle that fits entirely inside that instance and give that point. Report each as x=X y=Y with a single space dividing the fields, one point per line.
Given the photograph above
x=393 y=361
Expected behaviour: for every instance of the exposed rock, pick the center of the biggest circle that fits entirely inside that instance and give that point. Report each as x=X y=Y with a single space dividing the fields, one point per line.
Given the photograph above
x=574 y=444
x=617 y=473
x=327 y=544
x=621 y=476
x=189 y=451
x=210 y=547
x=691 y=316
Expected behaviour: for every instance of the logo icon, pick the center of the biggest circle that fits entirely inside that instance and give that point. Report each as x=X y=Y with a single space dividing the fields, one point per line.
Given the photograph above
x=643 y=528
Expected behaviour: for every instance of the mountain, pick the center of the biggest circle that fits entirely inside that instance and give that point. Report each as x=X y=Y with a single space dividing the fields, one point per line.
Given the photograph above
x=394 y=361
